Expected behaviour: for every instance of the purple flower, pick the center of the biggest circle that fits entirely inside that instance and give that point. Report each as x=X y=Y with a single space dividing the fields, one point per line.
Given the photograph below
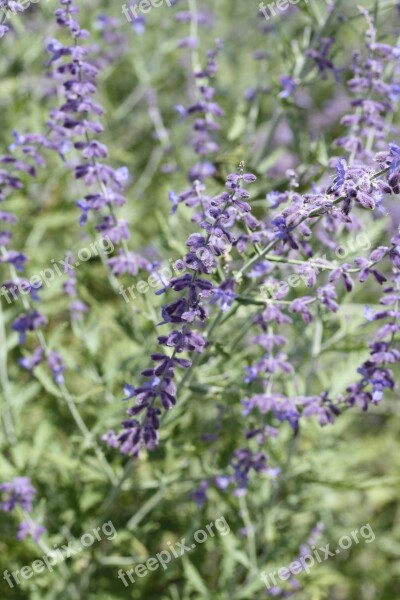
x=28 y=322
x=76 y=122
x=77 y=309
x=205 y=125
x=57 y=367
x=201 y=171
x=111 y=439
x=186 y=311
x=395 y=157
x=245 y=461
x=224 y=295
x=129 y=391
x=3 y=30
x=30 y=362
x=289 y=85
x=283 y=232
x=320 y=56
x=338 y=182
x=29 y=528
x=200 y=495
x=14 y=258
x=128 y=263
x=18 y=492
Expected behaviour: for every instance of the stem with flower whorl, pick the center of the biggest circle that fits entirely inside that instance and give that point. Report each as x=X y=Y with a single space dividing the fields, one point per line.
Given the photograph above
x=315 y=213
x=71 y=119
x=201 y=260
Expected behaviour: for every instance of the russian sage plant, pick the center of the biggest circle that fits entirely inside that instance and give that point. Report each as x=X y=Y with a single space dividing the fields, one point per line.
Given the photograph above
x=229 y=343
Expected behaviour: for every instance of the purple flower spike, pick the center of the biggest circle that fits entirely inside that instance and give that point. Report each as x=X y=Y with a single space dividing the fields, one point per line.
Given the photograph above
x=29 y=528
x=57 y=367
x=18 y=492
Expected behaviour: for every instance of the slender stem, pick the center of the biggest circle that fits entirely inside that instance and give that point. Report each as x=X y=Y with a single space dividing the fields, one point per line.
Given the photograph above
x=41 y=542
x=8 y=417
x=145 y=509
x=250 y=533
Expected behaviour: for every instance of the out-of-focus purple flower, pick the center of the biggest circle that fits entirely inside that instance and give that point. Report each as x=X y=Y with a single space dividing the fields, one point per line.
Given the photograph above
x=14 y=258
x=206 y=110
x=320 y=56
x=3 y=30
x=28 y=322
x=111 y=439
x=200 y=495
x=224 y=295
x=77 y=309
x=30 y=362
x=129 y=263
x=18 y=492
x=188 y=42
x=29 y=528
x=201 y=171
x=129 y=391
x=289 y=86
x=395 y=157
x=243 y=462
x=57 y=367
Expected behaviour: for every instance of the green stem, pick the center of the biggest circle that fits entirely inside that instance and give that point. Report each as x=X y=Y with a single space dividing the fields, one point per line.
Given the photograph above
x=250 y=533
x=8 y=417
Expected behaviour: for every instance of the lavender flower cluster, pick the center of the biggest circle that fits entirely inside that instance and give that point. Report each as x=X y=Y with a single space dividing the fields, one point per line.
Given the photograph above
x=20 y=493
